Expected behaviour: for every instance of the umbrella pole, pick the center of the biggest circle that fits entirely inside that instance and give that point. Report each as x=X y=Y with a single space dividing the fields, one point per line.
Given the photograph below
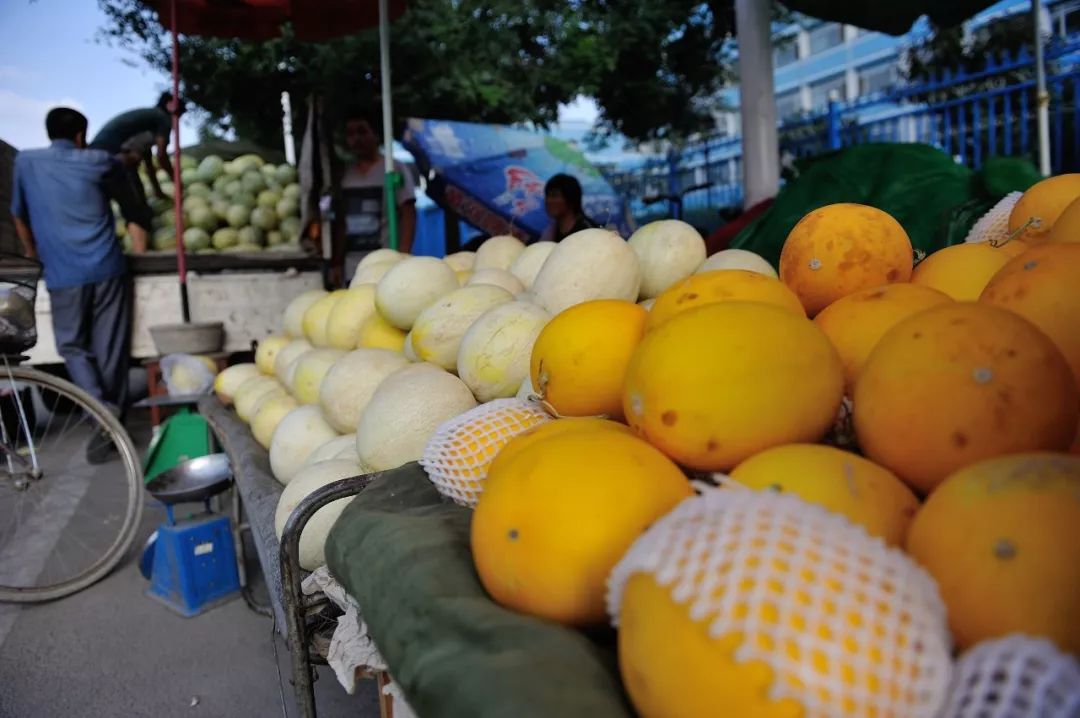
x=393 y=179
x=1042 y=97
x=178 y=212
x=757 y=102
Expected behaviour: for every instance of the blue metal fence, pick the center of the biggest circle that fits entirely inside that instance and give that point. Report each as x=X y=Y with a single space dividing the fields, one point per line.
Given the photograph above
x=947 y=112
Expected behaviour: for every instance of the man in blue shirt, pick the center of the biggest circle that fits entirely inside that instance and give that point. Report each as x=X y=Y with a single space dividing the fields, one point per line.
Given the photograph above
x=62 y=216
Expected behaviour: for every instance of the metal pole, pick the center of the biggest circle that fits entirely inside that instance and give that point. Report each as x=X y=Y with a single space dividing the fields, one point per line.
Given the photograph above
x=1042 y=97
x=393 y=180
x=178 y=212
x=286 y=128
x=761 y=157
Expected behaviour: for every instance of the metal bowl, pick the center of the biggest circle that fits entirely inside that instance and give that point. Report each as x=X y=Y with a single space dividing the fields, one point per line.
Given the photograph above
x=193 y=480
x=190 y=338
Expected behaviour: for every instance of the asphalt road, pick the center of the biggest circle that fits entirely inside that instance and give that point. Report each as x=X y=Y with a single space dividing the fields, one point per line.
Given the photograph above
x=110 y=651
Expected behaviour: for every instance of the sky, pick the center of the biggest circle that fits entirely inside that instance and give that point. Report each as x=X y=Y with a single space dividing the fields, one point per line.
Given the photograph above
x=49 y=57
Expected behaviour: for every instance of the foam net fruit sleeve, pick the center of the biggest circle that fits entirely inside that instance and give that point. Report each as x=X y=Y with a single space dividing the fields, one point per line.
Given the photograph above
x=1014 y=677
x=849 y=626
x=994 y=225
x=458 y=454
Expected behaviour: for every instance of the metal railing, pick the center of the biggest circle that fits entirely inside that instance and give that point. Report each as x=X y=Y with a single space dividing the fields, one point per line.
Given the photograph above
x=971 y=115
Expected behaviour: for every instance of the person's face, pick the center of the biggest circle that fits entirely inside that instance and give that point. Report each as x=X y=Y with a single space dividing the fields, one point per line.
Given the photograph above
x=555 y=205
x=360 y=139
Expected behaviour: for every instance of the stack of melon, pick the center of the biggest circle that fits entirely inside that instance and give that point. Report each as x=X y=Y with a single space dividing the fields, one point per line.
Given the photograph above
x=818 y=580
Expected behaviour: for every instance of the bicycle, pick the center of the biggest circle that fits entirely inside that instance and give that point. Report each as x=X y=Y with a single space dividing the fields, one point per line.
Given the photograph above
x=65 y=522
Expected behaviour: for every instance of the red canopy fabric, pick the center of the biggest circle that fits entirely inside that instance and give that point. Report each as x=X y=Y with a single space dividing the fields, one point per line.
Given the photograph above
x=312 y=20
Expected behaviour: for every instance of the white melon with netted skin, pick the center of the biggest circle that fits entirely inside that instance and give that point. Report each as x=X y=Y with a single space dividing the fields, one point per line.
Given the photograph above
x=293 y=319
x=378 y=256
x=737 y=259
x=351 y=382
x=772 y=572
x=249 y=393
x=528 y=263
x=497 y=278
x=590 y=264
x=403 y=413
x=298 y=434
x=410 y=286
x=460 y=451
x=498 y=252
x=494 y=355
x=669 y=251
x=231 y=379
x=287 y=355
x=438 y=331
x=311 y=368
x=1014 y=677
x=371 y=274
x=341 y=447
x=461 y=261
x=312 y=553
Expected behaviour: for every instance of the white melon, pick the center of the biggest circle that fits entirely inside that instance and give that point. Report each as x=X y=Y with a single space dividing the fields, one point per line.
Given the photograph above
x=438 y=331
x=529 y=262
x=293 y=320
x=493 y=358
x=232 y=378
x=299 y=433
x=498 y=252
x=268 y=350
x=332 y=449
x=268 y=414
x=410 y=286
x=350 y=383
x=250 y=392
x=590 y=264
x=264 y=400
x=312 y=549
x=308 y=375
x=463 y=276
x=286 y=356
x=404 y=411
x=669 y=251
x=372 y=273
x=408 y=350
x=459 y=261
x=316 y=316
x=737 y=259
x=349 y=452
x=348 y=315
x=496 y=278
x=378 y=256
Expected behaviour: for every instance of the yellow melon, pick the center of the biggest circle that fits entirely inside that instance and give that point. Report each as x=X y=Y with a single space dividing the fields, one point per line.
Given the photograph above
x=1035 y=214
x=1002 y=539
x=554 y=519
x=1067 y=226
x=842 y=482
x=1043 y=286
x=377 y=333
x=962 y=271
x=293 y=319
x=550 y=428
x=855 y=323
x=316 y=316
x=269 y=414
x=348 y=315
x=957 y=384
x=841 y=248
x=267 y=351
x=716 y=385
x=722 y=285
x=579 y=360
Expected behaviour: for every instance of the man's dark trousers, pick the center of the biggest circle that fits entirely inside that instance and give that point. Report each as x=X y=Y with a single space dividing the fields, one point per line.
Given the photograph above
x=92 y=325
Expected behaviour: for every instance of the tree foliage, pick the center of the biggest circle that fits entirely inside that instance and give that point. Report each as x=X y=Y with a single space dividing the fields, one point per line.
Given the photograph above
x=654 y=67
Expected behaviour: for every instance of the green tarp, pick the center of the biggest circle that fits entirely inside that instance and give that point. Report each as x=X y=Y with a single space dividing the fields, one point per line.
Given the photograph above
x=894 y=18
x=936 y=199
x=403 y=553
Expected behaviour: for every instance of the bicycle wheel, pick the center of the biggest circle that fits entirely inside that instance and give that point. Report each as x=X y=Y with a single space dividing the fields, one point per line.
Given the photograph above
x=65 y=521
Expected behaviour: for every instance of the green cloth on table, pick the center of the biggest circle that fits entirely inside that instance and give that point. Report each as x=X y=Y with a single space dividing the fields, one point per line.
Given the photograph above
x=933 y=197
x=403 y=553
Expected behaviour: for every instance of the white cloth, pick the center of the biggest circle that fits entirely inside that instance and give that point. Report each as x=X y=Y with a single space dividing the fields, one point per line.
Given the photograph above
x=351 y=647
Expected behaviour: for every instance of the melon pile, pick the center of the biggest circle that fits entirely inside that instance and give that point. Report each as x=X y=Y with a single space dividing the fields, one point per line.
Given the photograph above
x=892 y=484
x=241 y=206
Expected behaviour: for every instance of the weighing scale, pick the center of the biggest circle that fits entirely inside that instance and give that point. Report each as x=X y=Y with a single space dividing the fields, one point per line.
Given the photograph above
x=191 y=563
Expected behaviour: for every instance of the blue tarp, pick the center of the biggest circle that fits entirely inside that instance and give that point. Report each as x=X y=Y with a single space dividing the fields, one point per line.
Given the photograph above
x=493 y=176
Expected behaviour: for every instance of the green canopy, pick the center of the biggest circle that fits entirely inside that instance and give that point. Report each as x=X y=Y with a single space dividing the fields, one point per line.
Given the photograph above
x=894 y=18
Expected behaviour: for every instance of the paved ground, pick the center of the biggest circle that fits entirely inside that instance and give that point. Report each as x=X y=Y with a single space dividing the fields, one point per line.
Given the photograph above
x=110 y=651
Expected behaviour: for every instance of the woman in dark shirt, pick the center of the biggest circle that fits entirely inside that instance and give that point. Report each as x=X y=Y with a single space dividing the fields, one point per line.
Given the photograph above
x=562 y=201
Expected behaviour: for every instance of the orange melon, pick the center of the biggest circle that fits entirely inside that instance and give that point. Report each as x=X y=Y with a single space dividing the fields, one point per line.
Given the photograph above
x=1067 y=226
x=1034 y=215
x=962 y=271
x=721 y=285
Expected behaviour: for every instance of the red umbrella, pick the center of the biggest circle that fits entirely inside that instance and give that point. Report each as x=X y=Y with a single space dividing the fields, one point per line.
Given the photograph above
x=312 y=20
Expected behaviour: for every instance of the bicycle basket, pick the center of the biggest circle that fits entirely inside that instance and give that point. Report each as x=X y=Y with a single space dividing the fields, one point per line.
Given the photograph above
x=18 y=291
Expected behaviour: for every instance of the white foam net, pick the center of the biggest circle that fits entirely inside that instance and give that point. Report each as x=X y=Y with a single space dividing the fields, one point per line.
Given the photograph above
x=849 y=626
x=994 y=225
x=1015 y=677
x=458 y=454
